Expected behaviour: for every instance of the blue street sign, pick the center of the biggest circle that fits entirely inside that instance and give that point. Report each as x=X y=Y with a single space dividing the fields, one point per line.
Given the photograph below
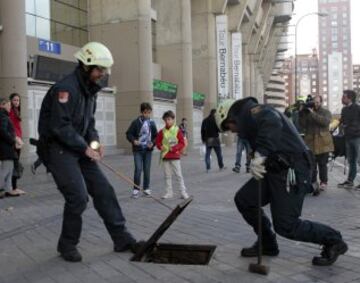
x=49 y=46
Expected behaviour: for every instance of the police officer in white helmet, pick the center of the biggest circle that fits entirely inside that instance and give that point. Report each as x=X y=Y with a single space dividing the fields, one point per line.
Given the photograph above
x=66 y=130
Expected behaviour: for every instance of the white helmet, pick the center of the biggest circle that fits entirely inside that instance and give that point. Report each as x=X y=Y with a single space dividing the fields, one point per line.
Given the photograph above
x=222 y=112
x=96 y=54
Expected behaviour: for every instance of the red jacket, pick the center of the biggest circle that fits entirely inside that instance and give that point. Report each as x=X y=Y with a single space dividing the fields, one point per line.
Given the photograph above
x=16 y=121
x=175 y=151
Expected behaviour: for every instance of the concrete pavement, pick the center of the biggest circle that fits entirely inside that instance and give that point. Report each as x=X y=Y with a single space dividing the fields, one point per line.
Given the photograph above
x=30 y=225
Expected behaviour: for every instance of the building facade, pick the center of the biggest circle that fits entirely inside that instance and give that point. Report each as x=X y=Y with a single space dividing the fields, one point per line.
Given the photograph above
x=181 y=55
x=308 y=74
x=335 y=61
x=356 y=79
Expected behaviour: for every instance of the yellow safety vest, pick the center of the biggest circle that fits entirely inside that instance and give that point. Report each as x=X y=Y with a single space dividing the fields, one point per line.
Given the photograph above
x=169 y=139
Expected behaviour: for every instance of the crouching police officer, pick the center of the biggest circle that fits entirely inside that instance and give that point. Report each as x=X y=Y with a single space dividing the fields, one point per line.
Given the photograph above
x=282 y=165
x=66 y=130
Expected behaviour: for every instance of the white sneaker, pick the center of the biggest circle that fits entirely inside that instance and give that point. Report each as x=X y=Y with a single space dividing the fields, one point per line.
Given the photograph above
x=135 y=194
x=184 y=195
x=147 y=192
x=167 y=195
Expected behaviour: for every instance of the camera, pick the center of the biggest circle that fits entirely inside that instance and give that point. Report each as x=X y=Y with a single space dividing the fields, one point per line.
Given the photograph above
x=309 y=103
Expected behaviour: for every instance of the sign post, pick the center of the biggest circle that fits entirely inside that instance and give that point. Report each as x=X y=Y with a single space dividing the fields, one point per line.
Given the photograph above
x=222 y=57
x=236 y=43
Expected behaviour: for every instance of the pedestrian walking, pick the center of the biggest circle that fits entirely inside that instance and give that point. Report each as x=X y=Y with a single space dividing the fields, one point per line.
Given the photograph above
x=281 y=163
x=15 y=117
x=7 y=150
x=183 y=129
x=142 y=134
x=350 y=121
x=210 y=137
x=170 y=141
x=66 y=130
x=241 y=145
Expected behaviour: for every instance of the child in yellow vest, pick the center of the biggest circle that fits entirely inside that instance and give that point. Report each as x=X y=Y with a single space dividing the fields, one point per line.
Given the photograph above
x=170 y=141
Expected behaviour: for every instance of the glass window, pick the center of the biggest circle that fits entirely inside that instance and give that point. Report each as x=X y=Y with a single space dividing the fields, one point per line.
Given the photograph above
x=42 y=28
x=30 y=6
x=42 y=8
x=59 y=20
x=30 y=25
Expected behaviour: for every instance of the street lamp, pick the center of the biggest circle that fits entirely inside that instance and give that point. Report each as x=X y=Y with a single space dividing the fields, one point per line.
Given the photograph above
x=296 y=27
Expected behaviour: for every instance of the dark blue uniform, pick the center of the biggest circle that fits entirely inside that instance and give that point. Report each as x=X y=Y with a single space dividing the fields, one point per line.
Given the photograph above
x=272 y=135
x=66 y=127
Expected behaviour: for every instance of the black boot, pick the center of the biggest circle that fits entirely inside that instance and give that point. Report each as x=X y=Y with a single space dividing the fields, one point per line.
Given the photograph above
x=330 y=253
x=72 y=255
x=269 y=249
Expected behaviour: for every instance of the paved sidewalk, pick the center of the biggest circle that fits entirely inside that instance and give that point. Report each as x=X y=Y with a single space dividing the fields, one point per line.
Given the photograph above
x=29 y=229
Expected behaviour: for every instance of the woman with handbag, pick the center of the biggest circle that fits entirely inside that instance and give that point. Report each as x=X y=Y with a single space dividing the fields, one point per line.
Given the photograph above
x=15 y=118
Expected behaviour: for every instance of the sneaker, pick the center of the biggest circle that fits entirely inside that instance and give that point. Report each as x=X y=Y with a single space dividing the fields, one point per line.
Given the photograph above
x=222 y=168
x=357 y=187
x=330 y=253
x=2 y=193
x=236 y=169
x=268 y=249
x=184 y=195
x=71 y=256
x=346 y=185
x=323 y=186
x=135 y=194
x=147 y=192
x=167 y=196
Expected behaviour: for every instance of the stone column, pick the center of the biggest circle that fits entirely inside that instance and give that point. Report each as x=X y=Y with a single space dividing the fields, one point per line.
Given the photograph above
x=13 y=70
x=125 y=27
x=204 y=52
x=174 y=53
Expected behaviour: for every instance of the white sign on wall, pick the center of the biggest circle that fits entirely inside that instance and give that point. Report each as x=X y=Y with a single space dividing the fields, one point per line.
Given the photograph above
x=222 y=57
x=236 y=46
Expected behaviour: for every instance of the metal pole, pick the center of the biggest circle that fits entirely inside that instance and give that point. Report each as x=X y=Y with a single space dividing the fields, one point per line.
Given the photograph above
x=296 y=59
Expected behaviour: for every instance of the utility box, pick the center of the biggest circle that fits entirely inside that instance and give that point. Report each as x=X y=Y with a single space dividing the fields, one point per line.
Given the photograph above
x=155 y=252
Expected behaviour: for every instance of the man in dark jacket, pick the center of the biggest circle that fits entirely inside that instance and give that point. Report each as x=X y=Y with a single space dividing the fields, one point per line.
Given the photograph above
x=142 y=134
x=210 y=137
x=350 y=121
x=7 y=149
x=281 y=170
x=68 y=139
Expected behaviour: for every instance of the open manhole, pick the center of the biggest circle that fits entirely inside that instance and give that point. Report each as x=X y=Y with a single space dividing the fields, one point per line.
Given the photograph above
x=155 y=252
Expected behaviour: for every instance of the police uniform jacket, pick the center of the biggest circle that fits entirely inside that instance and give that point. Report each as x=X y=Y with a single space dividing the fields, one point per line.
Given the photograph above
x=67 y=112
x=268 y=131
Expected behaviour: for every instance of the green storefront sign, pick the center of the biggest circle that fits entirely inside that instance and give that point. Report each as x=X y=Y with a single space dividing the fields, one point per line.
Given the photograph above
x=198 y=99
x=164 y=90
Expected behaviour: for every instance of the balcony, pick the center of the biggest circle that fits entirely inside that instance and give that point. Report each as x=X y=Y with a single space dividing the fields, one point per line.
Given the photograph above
x=282 y=11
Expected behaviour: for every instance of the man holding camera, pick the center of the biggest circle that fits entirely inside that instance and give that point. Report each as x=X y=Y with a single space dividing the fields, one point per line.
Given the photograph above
x=315 y=121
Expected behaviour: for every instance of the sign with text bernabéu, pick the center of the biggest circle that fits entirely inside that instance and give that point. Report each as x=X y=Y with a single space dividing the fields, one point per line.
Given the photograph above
x=237 y=81
x=222 y=57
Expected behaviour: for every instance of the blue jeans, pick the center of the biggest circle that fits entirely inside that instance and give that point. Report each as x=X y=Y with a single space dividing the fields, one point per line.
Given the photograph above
x=240 y=146
x=352 y=153
x=218 y=155
x=142 y=160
